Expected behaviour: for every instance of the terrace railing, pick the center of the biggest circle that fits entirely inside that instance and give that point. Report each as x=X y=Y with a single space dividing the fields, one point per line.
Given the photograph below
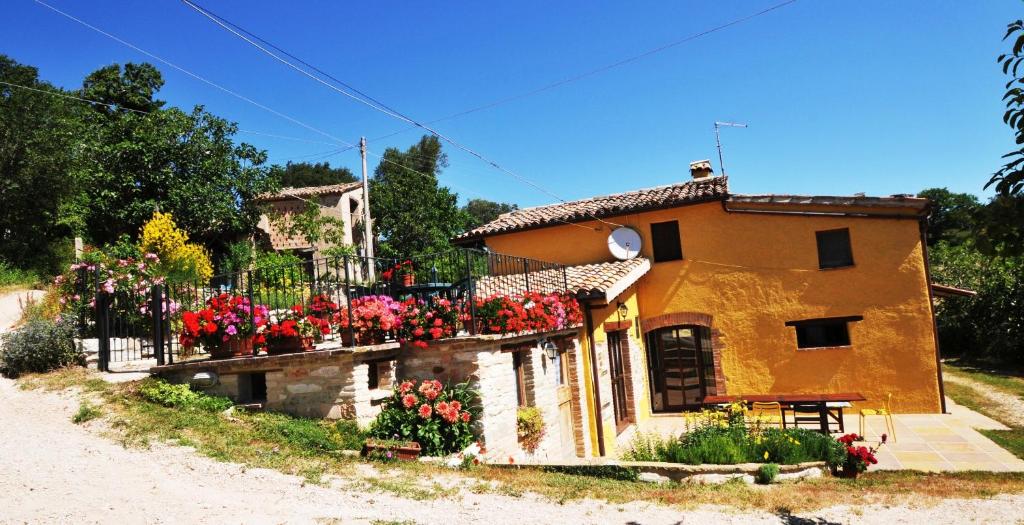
x=145 y=323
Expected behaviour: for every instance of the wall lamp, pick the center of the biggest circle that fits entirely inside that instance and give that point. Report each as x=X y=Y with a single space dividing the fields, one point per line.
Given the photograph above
x=550 y=349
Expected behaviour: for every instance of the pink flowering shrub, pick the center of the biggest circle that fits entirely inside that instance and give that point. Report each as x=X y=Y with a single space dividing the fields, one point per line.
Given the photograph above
x=440 y=418
x=424 y=321
x=373 y=317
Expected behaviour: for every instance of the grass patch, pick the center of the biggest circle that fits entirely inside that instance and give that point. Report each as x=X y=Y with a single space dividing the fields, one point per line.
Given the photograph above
x=1011 y=440
x=12 y=278
x=86 y=412
x=312 y=449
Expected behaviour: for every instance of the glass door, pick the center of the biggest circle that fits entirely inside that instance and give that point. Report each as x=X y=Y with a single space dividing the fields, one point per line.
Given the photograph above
x=675 y=361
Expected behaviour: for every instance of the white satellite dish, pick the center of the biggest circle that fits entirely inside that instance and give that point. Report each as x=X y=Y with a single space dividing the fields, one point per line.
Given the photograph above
x=624 y=243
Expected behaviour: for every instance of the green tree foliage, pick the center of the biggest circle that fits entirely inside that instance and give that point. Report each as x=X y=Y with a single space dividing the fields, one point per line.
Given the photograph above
x=40 y=137
x=303 y=174
x=989 y=326
x=483 y=211
x=180 y=162
x=1009 y=180
x=952 y=215
x=412 y=213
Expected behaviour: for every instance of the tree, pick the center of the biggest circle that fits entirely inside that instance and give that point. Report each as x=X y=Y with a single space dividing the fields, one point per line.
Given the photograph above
x=1009 y=180
x=39 y=145
x=483 y=211
x=412 y=213
x=182 y=163
x=952 y=215
x=303 y=174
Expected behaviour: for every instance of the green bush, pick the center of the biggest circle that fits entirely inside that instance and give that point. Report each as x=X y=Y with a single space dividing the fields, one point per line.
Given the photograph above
x=181 y=396
x=766 y=473
x=730 y=443
x=440 y=418
x=530 y=428
x=11 y=276
x=40 y=345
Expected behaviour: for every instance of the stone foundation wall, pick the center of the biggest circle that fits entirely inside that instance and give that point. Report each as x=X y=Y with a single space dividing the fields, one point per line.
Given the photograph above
x=334 y=382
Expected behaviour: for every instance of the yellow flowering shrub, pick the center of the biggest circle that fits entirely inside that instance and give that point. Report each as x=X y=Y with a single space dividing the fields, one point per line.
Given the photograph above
x=178 y=257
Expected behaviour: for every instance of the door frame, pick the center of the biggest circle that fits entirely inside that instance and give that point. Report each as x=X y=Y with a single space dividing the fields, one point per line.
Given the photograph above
x=656 y=374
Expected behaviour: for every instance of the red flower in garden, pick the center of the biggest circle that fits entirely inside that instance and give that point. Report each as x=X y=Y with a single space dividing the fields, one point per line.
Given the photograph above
x=465 y=417
x=406 y=386
x=409 y=400
x=456 y=406
x=425 y=411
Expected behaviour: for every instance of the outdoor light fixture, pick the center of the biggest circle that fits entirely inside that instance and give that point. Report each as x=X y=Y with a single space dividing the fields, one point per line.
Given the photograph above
x=550 y=349
x=204 y=379
x=623 y=311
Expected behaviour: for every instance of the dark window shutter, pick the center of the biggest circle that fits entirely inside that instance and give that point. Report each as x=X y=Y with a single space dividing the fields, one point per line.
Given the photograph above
x=665 y=241
x=834 y=248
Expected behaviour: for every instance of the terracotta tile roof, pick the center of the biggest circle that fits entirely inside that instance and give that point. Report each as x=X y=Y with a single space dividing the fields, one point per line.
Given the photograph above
x=599 y=280
x=312 y=191
x=892 y=201
x=712 y=188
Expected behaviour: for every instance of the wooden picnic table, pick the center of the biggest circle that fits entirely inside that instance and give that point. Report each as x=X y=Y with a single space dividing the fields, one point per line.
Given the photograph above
x=796 y=403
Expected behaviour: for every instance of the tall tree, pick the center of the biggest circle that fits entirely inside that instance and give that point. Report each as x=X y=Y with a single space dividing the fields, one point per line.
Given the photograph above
x=1009 y=180
x=39 y=138
x=412 y=213
x=182 y=163
x=302 y=174
x=952 y=215
x=483 y=211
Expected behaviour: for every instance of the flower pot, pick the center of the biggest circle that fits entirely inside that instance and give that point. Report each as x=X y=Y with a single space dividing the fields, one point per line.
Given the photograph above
x=404 y=450
x=369 y=338
x=234 y=347
x=289 y=345
x=409 y=279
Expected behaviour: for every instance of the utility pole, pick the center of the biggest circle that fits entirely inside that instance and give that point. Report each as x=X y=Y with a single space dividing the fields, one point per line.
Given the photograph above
x=718 y=140
x=367 y=227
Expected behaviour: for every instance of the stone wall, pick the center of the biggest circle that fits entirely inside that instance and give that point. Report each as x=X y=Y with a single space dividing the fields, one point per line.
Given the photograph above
x=334 y=382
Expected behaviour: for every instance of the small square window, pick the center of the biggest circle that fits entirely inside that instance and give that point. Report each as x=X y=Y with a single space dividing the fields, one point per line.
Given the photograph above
x=818 y=333
x=665 y=241
x=834 y=248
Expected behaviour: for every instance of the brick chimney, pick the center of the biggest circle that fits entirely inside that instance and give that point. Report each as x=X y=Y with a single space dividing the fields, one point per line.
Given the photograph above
x=701 y=169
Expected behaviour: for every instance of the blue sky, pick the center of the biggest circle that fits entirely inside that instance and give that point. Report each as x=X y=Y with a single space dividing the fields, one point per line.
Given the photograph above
x=875 y=97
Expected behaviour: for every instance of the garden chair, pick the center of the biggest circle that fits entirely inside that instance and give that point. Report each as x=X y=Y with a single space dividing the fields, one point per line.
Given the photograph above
x=885 y=411
x=765 y=414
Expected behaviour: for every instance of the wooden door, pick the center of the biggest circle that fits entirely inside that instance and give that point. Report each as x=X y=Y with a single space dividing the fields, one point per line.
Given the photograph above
x=618 y=376
x=565 y=421
x=675 y=362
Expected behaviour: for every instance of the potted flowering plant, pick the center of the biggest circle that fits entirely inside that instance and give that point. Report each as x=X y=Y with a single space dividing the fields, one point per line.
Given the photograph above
x=229 y=326
x=858 y=457
x=322 y=307
x=439 y=418
x=373 y=317
x=424 y=321
x=290 y=331
x=402 y=271
x=500 y=314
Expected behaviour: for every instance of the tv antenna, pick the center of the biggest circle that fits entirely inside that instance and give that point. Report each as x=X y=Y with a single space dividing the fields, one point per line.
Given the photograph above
x=718 y=140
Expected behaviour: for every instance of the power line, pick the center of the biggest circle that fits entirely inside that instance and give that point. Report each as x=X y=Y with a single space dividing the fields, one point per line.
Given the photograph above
x=193 y=75
x=133 y=110
x=601 y=69
x=372 y=103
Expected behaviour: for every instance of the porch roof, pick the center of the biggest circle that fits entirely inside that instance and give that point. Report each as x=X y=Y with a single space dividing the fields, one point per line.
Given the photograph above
x=598 y=281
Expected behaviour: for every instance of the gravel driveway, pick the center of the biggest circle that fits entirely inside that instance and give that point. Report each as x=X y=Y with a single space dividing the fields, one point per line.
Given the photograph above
x=52 y=471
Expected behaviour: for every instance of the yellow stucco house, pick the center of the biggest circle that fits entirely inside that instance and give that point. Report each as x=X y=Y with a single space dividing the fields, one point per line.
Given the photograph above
x=738 y=295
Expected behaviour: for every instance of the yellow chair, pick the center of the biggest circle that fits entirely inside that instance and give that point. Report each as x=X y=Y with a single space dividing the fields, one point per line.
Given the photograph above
x=765 y=414
x=885 y=411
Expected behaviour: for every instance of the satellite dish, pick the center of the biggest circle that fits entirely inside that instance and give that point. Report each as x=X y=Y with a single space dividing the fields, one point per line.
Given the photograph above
x=624 y=243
